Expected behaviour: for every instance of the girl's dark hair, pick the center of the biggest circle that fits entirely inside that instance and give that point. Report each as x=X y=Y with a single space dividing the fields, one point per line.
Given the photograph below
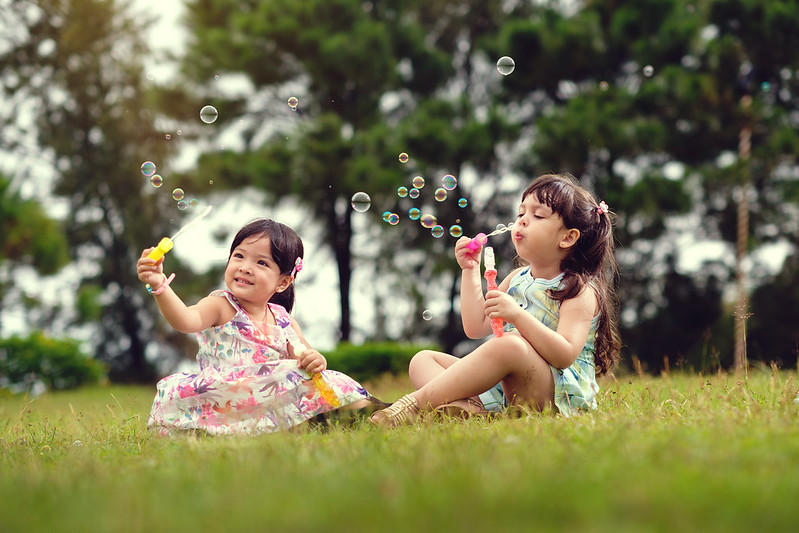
x=286 y=248
x=590 y=262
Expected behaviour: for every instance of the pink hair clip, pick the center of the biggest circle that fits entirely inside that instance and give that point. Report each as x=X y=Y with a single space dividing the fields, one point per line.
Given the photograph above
x=602 y=208
x=297 y=267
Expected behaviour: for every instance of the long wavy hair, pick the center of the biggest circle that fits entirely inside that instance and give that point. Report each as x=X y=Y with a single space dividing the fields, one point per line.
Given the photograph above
x=286 y=248
x=590 y=261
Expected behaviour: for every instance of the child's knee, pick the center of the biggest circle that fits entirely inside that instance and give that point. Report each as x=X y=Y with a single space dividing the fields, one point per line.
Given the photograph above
x=421 y=358
x=510 y=343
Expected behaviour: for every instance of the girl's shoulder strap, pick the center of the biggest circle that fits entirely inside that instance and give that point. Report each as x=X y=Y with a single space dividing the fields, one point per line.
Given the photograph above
x=282 y=317
x=228 y=296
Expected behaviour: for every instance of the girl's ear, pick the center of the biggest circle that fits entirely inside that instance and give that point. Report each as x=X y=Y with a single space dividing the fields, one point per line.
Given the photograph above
x=284 y=283
x=569 y=238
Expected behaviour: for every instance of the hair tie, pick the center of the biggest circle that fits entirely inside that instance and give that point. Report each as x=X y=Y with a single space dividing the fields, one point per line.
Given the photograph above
x=297 y=268
x=602 y=208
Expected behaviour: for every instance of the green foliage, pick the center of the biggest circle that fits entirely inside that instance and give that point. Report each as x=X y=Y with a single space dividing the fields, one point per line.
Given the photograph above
x=59 y=364
x=27 y=234
x=369 y=360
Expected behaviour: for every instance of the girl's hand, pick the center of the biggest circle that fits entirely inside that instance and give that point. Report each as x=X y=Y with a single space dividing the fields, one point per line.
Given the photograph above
x=501 y=305
x=150 y=271
x=467 y=259
x=312 y=361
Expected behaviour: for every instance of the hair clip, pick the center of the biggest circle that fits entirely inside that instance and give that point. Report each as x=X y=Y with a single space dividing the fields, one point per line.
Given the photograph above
x=602 y=208
x=297 y=267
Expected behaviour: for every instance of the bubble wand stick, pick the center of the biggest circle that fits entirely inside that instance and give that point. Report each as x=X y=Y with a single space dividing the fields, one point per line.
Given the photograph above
x=166 y=243
x=481 y=238
x=491 y=279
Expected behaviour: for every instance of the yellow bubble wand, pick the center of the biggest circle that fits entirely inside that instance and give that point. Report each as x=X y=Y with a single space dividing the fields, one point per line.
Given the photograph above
x=166 y=244
x=324 y=389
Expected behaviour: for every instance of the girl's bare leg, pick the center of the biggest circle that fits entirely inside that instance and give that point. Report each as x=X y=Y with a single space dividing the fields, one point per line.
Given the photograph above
x=427 y=365
x=525 y=375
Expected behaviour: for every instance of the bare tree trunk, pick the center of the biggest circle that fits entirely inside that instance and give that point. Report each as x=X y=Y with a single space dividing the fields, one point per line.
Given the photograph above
x=744 y=149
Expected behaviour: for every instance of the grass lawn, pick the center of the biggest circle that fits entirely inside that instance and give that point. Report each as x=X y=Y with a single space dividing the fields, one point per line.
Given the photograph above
x=674 y=453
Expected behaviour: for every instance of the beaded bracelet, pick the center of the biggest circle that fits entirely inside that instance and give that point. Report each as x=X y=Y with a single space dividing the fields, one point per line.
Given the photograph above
x=162 y=288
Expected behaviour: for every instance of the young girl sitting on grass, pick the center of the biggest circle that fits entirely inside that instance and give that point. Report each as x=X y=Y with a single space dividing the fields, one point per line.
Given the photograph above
x=559 y=312
x=257 y=373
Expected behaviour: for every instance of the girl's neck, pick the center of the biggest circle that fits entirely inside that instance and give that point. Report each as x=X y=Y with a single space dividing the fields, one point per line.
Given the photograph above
x=259 y=314
x=545 y=271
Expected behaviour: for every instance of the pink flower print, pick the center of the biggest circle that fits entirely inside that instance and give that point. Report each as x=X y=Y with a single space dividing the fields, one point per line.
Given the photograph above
x=207 y=416
x=260 y=357
x=250 y=406
x=236 y=374
x=186 y=391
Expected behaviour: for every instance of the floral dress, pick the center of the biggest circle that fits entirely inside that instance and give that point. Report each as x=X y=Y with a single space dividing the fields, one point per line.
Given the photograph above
x=247 y=383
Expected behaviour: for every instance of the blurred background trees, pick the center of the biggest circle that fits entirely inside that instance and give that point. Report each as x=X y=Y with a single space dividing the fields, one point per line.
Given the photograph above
x=641 y=100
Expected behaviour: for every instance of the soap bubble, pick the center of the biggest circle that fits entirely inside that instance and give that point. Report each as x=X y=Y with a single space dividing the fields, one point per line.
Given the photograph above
x=403 y=158
x=427 y=314
x=402 y=192
x=156 y=180
x=386 y=214
x=441 y=194
x=178 y=194
x=393 y=219
x=463 y=202
x=437 y=231
x=194 y=202
x=414 y=193
x=182 y=205
x=167 y=136
x=148 y=168
x=418 y=182
x=449 y=182
x=506 y=65
x=603 y=86
x=501 y=227
x=414 y=213
x=649 y=70
x=428 y=221
x=293 y=103
x=208 y=114
x=455 y=230
x=361 y=202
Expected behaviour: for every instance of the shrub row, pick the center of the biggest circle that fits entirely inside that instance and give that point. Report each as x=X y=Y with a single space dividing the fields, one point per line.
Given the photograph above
x=57 y=363
x=369 y=360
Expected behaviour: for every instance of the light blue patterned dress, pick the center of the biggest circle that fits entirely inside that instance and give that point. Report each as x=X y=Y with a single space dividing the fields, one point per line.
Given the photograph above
x=247 y=383
x=575 y=387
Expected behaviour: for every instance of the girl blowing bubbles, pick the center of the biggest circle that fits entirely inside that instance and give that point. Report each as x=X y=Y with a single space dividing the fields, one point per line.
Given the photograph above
x=559 y=308
x=255 y=365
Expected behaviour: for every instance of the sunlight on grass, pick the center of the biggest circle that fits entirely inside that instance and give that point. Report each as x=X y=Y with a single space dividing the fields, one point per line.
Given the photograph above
x=675 y=452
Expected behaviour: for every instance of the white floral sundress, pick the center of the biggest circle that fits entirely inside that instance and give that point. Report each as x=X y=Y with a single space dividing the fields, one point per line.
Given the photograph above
x=247 y=383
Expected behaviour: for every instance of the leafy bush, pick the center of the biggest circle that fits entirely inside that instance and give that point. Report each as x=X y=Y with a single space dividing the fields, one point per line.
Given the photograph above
x=57 y=363
x=366 y=361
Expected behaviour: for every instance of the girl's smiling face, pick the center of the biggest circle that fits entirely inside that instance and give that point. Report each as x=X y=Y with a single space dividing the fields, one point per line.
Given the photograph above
x=251 y=273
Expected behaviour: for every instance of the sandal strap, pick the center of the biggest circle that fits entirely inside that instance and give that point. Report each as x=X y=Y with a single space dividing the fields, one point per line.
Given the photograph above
x=403 y=411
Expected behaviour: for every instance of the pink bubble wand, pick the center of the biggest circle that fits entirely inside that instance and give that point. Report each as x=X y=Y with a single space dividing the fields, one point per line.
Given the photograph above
x=481 y=238
x=491 y=279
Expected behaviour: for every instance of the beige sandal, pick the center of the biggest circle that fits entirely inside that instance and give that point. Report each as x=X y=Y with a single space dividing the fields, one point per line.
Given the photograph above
x=463 y=408
x=403 y=411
